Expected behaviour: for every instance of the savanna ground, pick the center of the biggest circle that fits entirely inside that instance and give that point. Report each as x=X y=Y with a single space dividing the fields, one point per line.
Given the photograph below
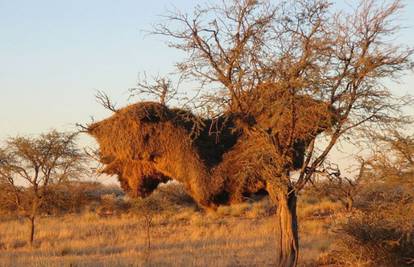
x=180 y=234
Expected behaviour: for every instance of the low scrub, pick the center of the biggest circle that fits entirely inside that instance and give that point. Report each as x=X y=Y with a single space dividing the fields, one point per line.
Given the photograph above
x=379 y=233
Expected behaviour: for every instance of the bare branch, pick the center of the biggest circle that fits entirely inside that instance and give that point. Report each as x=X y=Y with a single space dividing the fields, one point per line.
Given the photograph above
x=103 y=99
x=159 y=87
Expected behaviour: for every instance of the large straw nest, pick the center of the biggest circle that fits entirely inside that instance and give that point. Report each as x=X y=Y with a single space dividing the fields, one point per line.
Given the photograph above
x=219 y=161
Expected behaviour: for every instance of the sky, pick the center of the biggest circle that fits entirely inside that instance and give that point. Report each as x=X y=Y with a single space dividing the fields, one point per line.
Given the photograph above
x=55 y=55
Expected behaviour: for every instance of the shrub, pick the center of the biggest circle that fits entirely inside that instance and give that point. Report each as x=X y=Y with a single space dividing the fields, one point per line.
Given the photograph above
x=379 y=233
x=167 y=198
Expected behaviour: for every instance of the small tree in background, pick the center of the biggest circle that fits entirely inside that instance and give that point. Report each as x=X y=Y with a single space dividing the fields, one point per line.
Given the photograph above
x=147 y=208
x=393 y=159
x=29 y=166
x=380 y=231
x=391 y=165
x=338 y=187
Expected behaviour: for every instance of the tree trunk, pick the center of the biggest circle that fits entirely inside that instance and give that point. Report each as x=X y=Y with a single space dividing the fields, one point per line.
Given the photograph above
x=148 y=225
x=35 y=205
x=286 y=225
x=349 y=205
x=32 y=229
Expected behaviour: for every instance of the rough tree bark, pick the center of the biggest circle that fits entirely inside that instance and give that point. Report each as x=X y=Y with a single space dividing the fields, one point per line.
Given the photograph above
x=286 y=222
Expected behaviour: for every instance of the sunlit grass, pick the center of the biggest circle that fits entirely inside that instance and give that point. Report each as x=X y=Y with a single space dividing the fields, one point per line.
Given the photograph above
x=231 y=236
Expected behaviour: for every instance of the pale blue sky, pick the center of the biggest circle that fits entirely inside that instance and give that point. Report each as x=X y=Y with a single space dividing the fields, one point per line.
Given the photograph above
x=54 y=55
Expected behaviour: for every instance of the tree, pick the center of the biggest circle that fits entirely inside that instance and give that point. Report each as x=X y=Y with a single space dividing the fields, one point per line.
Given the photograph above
x=30 y=166
x=340 y=187
x=393 y=158
x=261 y=60
x=380 y=230
x=146 y=209
x=390 y=164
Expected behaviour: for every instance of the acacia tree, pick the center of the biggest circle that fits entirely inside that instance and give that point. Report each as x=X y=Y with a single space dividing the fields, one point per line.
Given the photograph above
x=260 y=58
x=393 y=159
x=30 y=166
x=391 y=162
x=340 y=187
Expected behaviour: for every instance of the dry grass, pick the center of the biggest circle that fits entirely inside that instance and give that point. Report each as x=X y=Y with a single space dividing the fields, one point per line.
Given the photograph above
x=380 y=232
x=241 y=235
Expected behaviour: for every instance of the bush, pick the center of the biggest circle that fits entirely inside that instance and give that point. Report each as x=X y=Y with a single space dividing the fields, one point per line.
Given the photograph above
x=73 y=197
x=379 y=233
x=7 y=207
x=168 y=197
x=76 y=197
